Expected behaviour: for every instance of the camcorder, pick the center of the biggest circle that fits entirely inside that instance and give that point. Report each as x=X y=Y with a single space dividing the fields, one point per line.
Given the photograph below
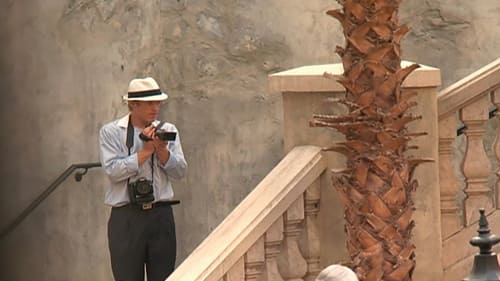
x=160 y=133
x=141 y=191
x=166 y=136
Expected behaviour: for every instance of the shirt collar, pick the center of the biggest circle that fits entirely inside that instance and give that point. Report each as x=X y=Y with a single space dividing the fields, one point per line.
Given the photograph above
x=123 y=122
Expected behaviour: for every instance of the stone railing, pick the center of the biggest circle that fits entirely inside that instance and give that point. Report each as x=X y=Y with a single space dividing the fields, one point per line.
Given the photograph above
x=467 y=105
x=272 y=234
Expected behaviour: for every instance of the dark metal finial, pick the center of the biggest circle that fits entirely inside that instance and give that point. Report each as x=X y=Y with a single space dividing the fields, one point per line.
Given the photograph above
x=485 y=266
x=483 y=223
x=485 y=241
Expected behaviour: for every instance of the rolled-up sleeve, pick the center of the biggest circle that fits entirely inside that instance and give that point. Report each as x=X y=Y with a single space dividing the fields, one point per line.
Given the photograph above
x=117 y=165
x=176 y=166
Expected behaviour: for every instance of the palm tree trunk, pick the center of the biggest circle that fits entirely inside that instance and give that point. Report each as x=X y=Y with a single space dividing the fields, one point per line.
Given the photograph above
x=377 y=185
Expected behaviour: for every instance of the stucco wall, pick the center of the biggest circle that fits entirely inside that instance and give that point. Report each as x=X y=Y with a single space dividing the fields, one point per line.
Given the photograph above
x=64 y=65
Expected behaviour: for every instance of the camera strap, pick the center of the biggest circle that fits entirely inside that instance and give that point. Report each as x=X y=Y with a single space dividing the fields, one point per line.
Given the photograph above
x=130 y=134
x=130 y=138
x=158 y=127
x=130 y=142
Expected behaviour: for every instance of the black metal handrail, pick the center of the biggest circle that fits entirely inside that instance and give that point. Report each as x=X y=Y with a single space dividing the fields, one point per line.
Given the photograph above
x=78 y=177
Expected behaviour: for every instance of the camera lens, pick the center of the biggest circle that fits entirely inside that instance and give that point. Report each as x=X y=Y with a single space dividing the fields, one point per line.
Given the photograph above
x=144 y=187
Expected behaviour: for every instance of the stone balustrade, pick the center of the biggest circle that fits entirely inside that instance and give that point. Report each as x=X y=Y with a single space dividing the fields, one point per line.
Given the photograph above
x=467 y=102
x=272 y=234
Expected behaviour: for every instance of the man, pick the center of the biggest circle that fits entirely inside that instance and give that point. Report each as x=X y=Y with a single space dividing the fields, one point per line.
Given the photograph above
x=140 y=165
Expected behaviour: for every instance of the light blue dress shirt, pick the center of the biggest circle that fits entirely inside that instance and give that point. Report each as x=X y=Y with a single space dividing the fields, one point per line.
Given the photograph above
x=120 y=166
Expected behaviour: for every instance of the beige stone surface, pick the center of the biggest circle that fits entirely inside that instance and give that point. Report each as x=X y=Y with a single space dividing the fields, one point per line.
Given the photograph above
x=427 y=231
x=311 y=78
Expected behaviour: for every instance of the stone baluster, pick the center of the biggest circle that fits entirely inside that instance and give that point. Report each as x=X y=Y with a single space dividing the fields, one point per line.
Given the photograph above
x=309 y=241
x=254 y=260
x=272 y=244
x=291 y=263
x=236 y=272
x=450 y=216
x=476 y=166
x=495 y=98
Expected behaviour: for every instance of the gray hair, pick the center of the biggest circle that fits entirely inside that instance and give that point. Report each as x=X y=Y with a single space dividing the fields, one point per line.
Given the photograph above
x=337 y=273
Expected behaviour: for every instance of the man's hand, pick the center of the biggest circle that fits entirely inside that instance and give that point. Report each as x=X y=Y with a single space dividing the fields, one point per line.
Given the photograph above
x=161 y=150
x=148 y=147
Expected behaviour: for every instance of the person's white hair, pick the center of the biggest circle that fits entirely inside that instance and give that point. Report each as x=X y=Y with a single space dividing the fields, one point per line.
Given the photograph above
x=337 y=272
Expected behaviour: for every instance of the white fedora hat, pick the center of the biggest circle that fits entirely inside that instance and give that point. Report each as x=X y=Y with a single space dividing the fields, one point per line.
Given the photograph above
x=144 y=89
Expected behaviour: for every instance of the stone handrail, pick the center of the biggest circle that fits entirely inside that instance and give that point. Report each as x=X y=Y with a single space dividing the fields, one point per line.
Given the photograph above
x=468 y=89
x=228 y=246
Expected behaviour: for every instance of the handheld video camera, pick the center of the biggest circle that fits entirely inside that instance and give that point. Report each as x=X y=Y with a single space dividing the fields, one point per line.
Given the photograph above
x=166 y=136
x=161 y=134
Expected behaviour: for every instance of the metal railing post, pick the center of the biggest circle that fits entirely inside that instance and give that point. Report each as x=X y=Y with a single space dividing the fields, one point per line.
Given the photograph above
x=485 y=266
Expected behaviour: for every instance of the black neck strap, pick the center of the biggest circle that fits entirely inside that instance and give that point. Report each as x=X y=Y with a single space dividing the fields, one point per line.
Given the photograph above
x=130 y=143
x=130 y=134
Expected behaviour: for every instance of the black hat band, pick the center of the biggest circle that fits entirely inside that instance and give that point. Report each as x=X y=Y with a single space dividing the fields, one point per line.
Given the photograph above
x=143 y=94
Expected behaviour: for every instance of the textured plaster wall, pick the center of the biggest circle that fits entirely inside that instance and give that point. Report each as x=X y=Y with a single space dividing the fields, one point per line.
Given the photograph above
x=65 y=63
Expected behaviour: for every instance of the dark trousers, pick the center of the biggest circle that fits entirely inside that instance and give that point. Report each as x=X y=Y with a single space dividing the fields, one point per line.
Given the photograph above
x=142 y=238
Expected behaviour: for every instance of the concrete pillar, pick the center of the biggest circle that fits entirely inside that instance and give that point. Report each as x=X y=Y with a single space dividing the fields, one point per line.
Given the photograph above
x=305 y=92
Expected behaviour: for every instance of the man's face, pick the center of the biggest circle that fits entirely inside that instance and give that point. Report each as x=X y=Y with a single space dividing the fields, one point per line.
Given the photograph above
x=145 y=111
